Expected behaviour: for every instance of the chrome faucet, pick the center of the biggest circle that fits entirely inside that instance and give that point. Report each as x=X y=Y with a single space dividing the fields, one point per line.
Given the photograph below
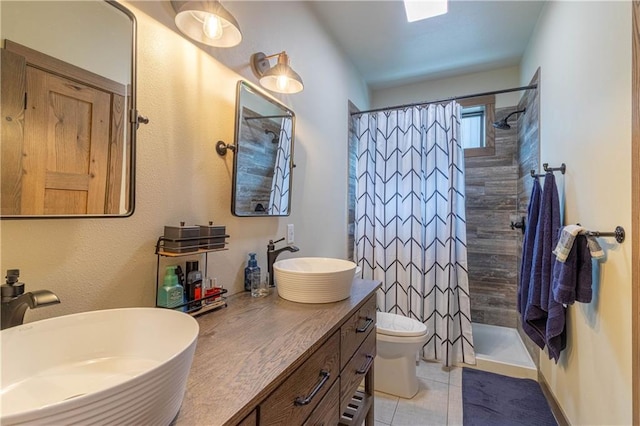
x=15 y=301
x=272 y=255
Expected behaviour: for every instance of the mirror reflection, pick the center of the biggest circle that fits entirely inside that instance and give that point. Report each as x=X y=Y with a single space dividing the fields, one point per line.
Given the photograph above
x=263 y=159
x=67 y=76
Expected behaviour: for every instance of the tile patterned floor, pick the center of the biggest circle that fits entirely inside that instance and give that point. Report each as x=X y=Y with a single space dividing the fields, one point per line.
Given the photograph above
x=438 y=402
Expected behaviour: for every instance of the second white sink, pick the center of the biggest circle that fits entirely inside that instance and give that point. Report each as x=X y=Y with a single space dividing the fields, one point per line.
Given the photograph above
x=314 y=279
x=117 y=366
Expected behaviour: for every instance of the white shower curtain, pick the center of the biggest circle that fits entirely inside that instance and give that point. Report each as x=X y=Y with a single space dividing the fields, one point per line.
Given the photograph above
x=279 y=196
x=410 y=222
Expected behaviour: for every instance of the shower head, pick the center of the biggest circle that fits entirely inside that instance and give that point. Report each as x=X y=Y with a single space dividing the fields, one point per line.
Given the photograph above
x=502 y=124
x=275 y=138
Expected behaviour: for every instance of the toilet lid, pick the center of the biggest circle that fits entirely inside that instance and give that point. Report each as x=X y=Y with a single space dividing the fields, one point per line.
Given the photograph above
x=398 y=325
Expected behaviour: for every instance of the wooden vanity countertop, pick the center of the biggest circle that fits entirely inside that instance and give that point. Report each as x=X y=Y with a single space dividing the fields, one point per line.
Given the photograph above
x=246 y=349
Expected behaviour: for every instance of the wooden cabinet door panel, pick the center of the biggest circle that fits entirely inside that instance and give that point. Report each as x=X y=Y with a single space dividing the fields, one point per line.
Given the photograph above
x=66 y=146
x=326 y=413
x=250 y=420
x=354 y=372
x=281 y=408
x=12 y=116
x=356 y=329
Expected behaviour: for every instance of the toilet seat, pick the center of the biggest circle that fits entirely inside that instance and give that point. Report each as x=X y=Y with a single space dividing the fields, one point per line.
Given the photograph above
x=397 y=325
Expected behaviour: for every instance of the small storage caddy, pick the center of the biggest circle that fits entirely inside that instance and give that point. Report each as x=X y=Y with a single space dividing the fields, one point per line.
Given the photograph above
x=192 y=246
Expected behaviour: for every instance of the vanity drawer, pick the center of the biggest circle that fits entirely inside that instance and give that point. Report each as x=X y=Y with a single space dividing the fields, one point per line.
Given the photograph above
x=294 y=400
x=355 y=370
x=326 y=413
x=250 y=420
x=356 y=329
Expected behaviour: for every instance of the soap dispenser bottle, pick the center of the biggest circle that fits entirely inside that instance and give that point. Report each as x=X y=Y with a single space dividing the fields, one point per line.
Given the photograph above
x=171 y=294
x=251 y=272
x=194 y=285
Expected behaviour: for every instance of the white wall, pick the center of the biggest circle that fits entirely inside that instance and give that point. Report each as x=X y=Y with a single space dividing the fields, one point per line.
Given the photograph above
x=189 y=96
x=100 y=34
x=443 y=88
x=584 y=51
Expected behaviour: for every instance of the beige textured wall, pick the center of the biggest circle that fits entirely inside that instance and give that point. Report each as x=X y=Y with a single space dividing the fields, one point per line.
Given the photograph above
x=106 y=52
x=584 y=51
x=460 y=85
x=189 y=96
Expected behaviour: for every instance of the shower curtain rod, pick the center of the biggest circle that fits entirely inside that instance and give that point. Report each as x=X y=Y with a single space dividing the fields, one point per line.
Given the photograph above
x=267 y=116
x=454 y=98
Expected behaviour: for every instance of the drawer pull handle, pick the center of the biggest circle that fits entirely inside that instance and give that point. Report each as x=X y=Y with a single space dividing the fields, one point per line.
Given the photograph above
x=366 y=365
x=324 y=377
x=366 y=325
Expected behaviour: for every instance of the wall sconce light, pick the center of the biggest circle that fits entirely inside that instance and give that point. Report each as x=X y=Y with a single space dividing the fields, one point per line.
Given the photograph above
x=207 y=22
x=279 y=78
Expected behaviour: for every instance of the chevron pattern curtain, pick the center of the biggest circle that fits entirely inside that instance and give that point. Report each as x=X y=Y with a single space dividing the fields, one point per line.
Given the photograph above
x=410 y=222
x=279 y=196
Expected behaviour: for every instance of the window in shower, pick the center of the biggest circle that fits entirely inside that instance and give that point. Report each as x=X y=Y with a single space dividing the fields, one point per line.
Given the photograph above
x=476 y=132
x=472 y=127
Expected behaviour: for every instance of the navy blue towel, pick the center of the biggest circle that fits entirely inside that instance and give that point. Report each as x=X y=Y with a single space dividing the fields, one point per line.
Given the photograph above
x=572 y=278
x=533 y=213
x=542 y=312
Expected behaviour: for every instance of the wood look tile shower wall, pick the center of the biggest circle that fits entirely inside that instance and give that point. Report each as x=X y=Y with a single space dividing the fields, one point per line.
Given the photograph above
x=529 y=159
x=257 y=166
x=492 y=246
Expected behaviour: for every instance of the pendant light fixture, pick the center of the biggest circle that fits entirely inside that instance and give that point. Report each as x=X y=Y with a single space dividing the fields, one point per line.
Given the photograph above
x=280 y=78
x=207 y=22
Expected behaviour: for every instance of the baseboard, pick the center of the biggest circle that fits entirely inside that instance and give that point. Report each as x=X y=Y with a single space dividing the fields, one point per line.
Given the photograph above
x=553 y=402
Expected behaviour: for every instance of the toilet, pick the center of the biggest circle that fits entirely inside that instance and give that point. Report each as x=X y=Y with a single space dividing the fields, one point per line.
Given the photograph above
x=398 y=340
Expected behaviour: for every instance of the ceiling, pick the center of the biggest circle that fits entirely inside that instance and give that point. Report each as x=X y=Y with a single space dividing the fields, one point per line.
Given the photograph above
x=473 y=36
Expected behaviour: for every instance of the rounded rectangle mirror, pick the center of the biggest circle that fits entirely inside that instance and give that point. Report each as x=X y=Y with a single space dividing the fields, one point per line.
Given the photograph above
x=263 y=160
x=68 y=109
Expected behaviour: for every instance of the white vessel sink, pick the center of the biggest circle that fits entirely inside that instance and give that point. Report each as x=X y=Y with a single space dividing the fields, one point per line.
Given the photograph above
x=314 y=279
x=117 y=366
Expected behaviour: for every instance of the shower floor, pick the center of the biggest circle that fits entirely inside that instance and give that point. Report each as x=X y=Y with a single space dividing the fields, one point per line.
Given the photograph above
x=500 y=350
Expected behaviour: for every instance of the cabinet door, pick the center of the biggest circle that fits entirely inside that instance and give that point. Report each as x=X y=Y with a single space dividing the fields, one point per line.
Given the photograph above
x=356 y=329
x=327 y=412
x=66 y=146
x=12 y=92
x=356 y=369
x=294 y=400
x=250 y=420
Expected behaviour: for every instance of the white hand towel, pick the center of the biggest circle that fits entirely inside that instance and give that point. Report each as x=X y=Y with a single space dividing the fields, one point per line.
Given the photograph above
x=594 y=248
x=567 y=236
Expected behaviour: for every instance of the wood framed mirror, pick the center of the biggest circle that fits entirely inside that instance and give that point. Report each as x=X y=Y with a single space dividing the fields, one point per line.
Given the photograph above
x=68 y=109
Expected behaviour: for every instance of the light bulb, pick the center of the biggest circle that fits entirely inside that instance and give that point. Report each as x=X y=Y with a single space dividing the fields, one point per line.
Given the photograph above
x=282 y=82
x=212 y=27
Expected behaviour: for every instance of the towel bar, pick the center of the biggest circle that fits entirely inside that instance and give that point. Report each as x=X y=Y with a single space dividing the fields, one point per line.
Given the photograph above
x=562 y=169
x=618 y=234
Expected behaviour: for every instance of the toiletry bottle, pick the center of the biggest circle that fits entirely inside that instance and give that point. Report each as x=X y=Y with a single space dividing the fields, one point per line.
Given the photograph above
x=182 y=282
x=207 y=287
x=210 y=289
x=251 y=271
x=171 y=293
x=194 y=285
x=217 y=289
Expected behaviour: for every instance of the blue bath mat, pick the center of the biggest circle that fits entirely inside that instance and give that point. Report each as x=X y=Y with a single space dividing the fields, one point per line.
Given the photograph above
x=490 y=399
